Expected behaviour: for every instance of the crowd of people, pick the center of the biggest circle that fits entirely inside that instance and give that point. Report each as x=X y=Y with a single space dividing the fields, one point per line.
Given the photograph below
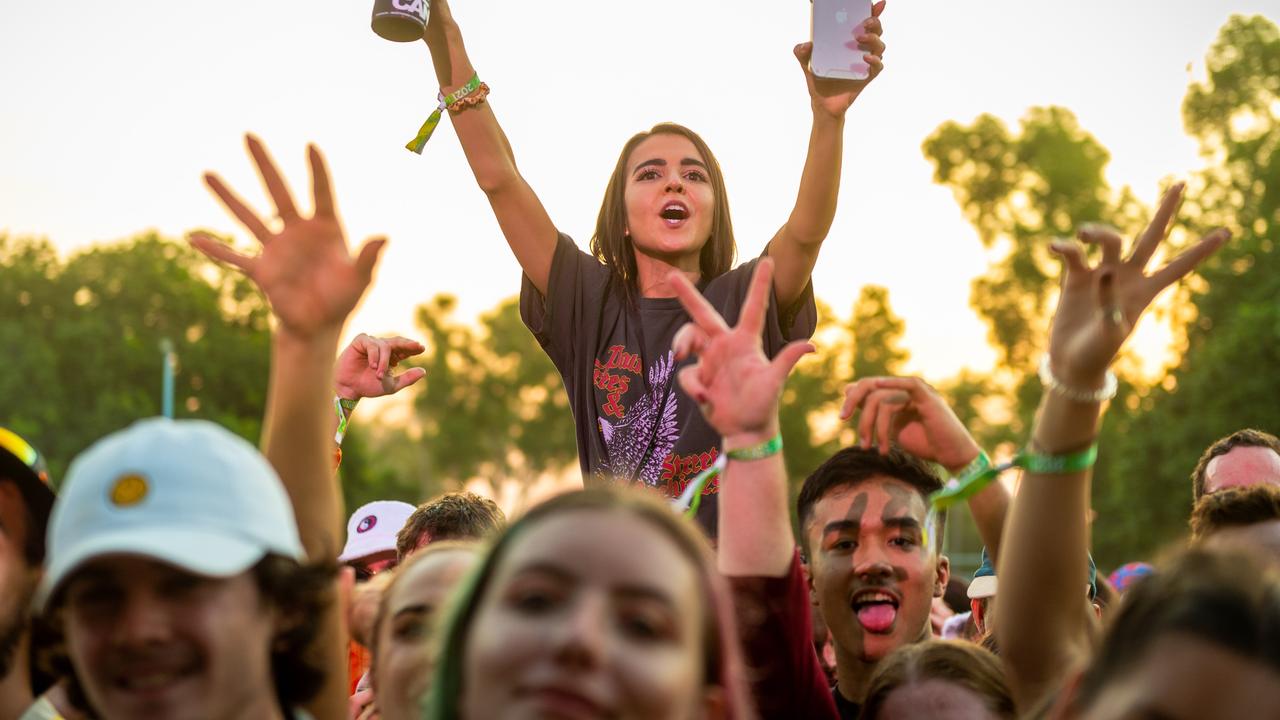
x=181 y=572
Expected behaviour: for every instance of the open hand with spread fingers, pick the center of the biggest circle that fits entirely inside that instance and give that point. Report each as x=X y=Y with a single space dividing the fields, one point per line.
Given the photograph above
x=364 y=367
x=1100 y=304
x=910 y=413
x=734 y=384
x=305 y=270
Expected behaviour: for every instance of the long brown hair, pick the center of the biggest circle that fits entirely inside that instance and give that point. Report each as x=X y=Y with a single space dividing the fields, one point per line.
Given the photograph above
x=612 y=245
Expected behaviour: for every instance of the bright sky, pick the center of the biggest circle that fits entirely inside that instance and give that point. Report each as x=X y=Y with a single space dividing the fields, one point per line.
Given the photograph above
x=110 y=112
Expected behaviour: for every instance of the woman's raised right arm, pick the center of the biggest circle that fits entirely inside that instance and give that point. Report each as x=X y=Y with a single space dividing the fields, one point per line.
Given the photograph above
x=523 y=219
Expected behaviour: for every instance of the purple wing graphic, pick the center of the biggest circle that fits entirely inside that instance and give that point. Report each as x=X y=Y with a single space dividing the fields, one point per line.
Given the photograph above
x=652 y=418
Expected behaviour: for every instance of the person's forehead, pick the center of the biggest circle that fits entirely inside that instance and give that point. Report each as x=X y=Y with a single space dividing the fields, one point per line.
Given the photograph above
x=665 y=146
x=432 y=578
x=609 y=548
x=875 y=497
x=1244 y=465
x=132 y=569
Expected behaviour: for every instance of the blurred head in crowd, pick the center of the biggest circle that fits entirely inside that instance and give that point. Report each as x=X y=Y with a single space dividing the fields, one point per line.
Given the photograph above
x=985 y=584
x=175 y=578
x=1200 y=639
x=452 y=516
x=595 y=603
x=404 y=630
x=982 y=595
x=873 y=551
x=25 y=501
x=941 y=680
x=1127 y=575
x=371 y=537
x=1246 y=517
x=1245 y=457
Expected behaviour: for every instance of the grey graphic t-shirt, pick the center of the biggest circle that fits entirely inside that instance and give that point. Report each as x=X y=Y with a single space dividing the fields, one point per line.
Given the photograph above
x=634 y=423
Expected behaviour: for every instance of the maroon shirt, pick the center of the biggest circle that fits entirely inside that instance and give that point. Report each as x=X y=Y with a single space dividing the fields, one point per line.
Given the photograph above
x=776 y=626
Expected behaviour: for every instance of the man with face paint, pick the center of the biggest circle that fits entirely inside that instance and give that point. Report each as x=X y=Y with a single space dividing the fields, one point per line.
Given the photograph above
x=865 y=520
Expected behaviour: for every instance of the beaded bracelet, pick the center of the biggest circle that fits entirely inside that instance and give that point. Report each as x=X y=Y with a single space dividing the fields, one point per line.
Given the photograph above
x=980 y=473
x=1053 y=384
x=428 y=127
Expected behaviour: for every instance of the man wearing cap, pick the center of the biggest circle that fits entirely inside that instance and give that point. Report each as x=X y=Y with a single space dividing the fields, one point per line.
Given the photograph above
x=177 y=578
x=25 y=499
x=370 y=549
x=371 y=536
x=982 y=594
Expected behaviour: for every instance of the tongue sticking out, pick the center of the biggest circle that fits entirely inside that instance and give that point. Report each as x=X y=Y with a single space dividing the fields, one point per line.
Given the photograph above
x=877 y=617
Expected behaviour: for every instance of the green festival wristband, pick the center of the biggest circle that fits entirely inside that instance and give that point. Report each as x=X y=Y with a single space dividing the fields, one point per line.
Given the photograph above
x=424 y=133
x=980 y=473
x=343 y=408
x=772 y=446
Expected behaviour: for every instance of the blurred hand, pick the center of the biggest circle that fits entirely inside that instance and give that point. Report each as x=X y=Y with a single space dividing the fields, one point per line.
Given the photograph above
x=304 y=269
x=909 y=412
x=1100 y=305
x=735 y=385
x=363 y=367
x=834 y=96
x=361 y=706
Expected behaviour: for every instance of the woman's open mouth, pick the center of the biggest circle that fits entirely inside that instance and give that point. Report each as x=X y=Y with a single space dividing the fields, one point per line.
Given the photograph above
x=674 y=213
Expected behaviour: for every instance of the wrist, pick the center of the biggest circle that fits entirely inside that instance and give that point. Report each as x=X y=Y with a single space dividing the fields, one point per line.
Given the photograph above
x=824 y=119
x=749 y=438
x=960 y=460
x=323 y=339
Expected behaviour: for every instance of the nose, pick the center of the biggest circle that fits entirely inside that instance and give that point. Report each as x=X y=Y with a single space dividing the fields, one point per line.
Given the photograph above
x=870 y=563
x=141 y=620
x=579 y=636
x=676 y=184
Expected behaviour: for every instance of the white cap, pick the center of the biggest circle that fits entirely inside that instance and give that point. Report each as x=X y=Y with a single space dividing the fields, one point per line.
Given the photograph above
x=983 y=586
x=372 y=528
x=185 y=492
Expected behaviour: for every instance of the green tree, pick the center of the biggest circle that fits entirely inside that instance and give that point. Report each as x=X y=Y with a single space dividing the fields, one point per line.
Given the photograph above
x=1020 y=190
x=493 y=405
x=1224 y=380
x=86 y=335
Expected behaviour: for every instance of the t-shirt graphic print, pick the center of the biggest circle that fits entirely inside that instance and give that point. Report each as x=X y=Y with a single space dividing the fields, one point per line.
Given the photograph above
x=634 y=423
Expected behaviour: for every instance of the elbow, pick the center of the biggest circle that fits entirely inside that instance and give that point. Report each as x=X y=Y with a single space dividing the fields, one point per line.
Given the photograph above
x=497 y=180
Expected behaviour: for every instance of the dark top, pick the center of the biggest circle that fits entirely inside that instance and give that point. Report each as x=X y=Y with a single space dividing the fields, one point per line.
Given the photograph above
x=776 y=627
x=634 y=422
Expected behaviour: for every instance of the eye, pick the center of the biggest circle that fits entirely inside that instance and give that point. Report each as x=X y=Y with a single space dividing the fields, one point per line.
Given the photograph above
x=94 y=596
x=647 y=174
x=906 y=543
x=409 y=628
x=696 y=176
x=646 y=624
x=843 y=545
x=534 y=597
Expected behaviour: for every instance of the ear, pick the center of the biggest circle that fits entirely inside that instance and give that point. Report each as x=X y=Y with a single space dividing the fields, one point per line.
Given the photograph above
x=942 y=575
x=713 y=704
x=979 y=619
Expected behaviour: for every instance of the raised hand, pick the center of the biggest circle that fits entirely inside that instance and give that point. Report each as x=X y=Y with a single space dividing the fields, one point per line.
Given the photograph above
x=734 y=384
x=834 y=96
x=909 y=412
x=1100 y=305
x=363 y=368
x=304 y=269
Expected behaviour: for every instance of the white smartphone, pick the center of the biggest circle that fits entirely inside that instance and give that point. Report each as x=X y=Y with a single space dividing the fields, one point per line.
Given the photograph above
x=834 y=26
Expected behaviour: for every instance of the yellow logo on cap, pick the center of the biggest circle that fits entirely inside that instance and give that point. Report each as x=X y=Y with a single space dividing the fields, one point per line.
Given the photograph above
x=129 y=490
